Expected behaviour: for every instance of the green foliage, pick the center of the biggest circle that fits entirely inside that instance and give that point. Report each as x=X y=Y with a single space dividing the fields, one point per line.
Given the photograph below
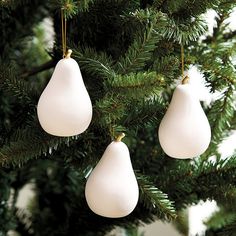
x=220 y=219
x=220 y=115
x=209 y=175
x=187 y=32
x=133 y=232
x=11 y=84
x=140 y=51
x=136 y=82
x=153 y=198
x=71 y=8
x=16 y=33
x=182 y=222
x=129 y=55
x=217 y=70
x=146 y=112
x=99 y=65
x=229 y=230
x=41 y=144
x=7 y=220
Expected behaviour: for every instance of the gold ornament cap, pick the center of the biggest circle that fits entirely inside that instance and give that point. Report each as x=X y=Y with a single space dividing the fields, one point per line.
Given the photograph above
x=120 y=137
x=185 y=80
x=68 y=54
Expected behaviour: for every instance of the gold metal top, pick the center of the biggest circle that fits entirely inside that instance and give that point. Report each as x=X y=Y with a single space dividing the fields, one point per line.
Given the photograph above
x=68 y=54
x=120 y=137
x=185 y=80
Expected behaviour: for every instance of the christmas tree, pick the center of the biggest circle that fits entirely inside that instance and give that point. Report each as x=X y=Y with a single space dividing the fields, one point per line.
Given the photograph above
x=129 y=53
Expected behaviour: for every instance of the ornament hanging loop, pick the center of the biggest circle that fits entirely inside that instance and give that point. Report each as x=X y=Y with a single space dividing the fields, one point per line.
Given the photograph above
x=63 y=33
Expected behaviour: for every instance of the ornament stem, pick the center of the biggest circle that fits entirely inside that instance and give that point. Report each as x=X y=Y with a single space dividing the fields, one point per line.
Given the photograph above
x=120 y=137
x=68 y=54
x=185 y=80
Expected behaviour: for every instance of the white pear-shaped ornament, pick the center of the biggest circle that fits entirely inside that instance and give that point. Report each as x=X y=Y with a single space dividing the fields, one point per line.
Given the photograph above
x=64 y=108
x=112 y=189
x=184 y=132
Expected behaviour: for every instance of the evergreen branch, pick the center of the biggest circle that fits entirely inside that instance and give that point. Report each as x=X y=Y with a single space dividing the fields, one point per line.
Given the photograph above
x=219 y=25
x=71 y=7
x=177 y=179
x=187 y=8
x=14 y=86
x=158 y=4
x=13 y=3
x=184 y=32
x=18 y=28
x=227 y=196
x=168 y=66
x=18 y=88
x=99 y=65
x=83 y=5
x=217 y=72
x=138 y=80
x=208 y=169
x=153 y=198
x=221 y=68
x=109 y=110
x=133 y=231
x=220 y=116
x=204 y=180
x=182 y=222
x=215 y=58
x=230 y=35
x=221 y=174
x=7 y=218
x=144 y=44
x=144 y=113
x=134 y=113
x=220 y=219
x=229 y=230
x=30 y=143
x=36 y=70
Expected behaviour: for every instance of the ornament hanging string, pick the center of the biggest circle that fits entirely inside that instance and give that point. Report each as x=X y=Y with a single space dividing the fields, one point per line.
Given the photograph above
x=185 y=79
x=63 y=32
x=182 y=60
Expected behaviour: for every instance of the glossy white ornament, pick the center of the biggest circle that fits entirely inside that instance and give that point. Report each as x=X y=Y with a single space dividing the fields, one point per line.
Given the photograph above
x=184 y=132
x=112 y=189
x=64 y=108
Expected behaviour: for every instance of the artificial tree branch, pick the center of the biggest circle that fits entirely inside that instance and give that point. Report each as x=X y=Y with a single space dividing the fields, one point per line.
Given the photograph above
x=226 y=37
x=230 y=35
x=46 y=66
x=216 y=30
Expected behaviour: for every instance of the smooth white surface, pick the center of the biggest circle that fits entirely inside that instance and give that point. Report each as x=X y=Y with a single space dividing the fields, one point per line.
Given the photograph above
x=184 y=132
x=64 y=107
x=228 y=147
x=159 y=228
x=111 y=189
x=199 y=214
